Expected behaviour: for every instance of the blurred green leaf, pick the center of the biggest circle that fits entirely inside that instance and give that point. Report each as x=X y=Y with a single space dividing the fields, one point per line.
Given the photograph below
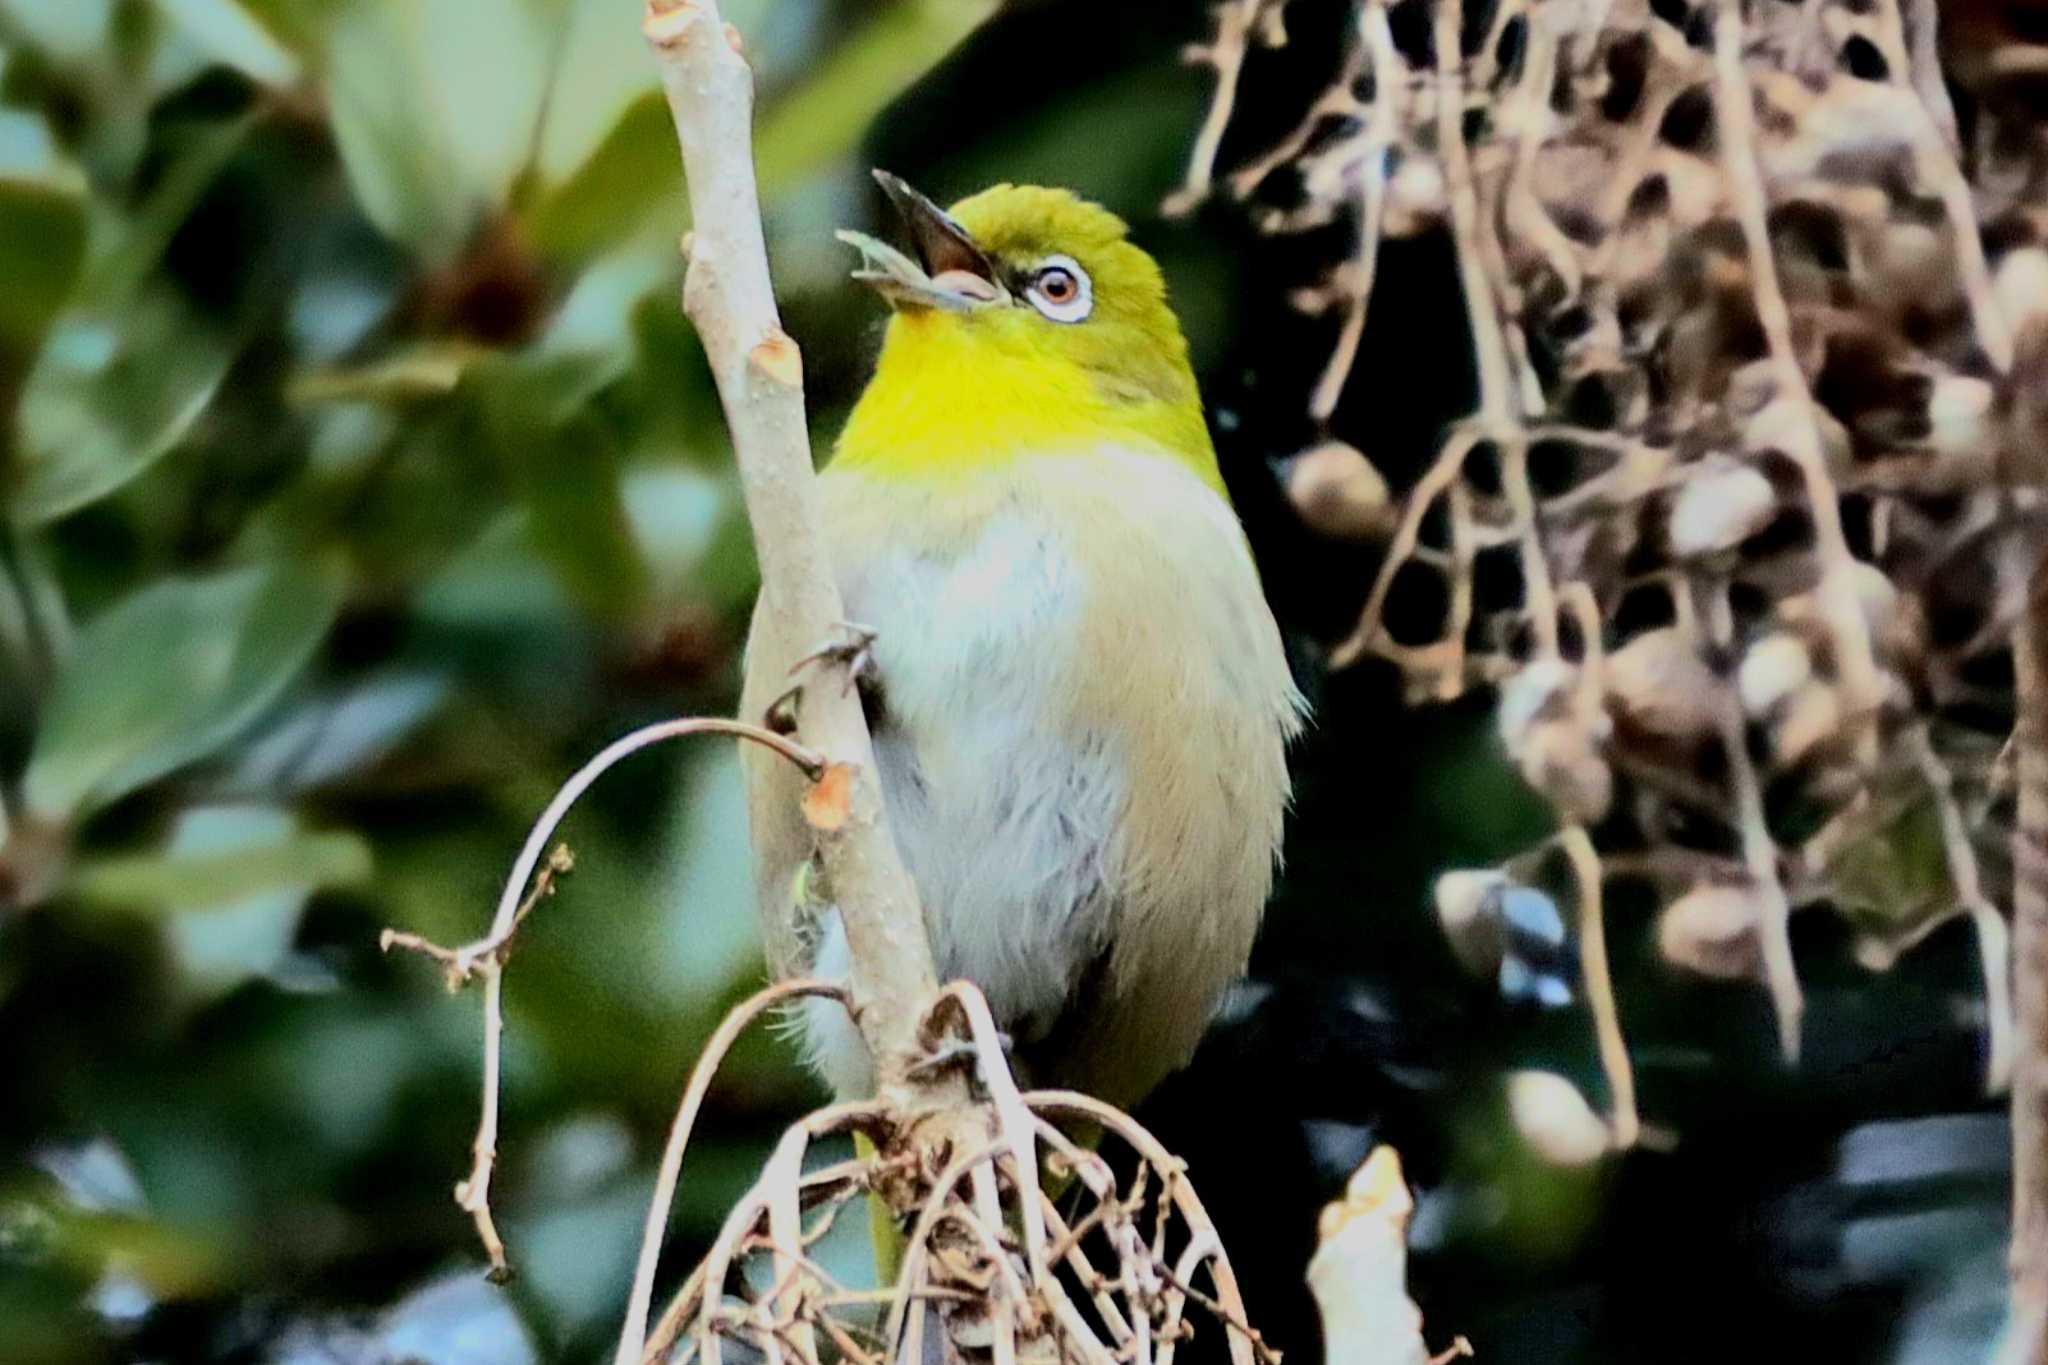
x=390 y=136
x=200 y=873
x=126 y=247
x=169 y=675
x=329 y=737
x=35 y=633
x=617 y=190
x=426 y=370
x=498 y=583
x=829 y=112
x=299 y=24
x=572 y=1258
x=169 y=1262
x=675 y=510
x=579 y=524
x=66 y=29
x=708 y=942
x=566 y=469
x=1894 y=870
x=250 y=919
x=113 y=392
x=600 y=69
x=103 y=56
x=29 y=156
x=132 y=363
x=228 y=33
x=435 y=112
x=42 y=227
x=231 y=884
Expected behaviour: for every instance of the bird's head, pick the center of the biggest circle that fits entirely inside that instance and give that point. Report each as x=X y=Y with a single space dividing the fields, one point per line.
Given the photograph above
x=1025 y=322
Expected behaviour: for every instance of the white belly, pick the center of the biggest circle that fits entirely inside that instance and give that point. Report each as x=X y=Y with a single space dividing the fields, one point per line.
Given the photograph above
x=1010 y=796
x=1005 y=816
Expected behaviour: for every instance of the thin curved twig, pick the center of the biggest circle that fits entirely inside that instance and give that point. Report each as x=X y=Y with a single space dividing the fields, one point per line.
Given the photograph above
x=633 y=1333
x=525 y=887
x=1625 y=1124
x=1994 y=945
x=867 y=1115
x=1013 y=1120
x=1235 y=20
x=1247 y=1347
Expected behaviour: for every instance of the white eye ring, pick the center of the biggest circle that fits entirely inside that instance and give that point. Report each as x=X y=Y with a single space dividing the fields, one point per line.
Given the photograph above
x=1074 y=305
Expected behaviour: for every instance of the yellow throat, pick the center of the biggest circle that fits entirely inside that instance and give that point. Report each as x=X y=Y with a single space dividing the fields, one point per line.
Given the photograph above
x=1032 y=325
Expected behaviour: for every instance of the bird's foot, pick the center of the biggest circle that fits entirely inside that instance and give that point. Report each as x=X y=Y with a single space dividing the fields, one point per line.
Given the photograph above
x=853 y=650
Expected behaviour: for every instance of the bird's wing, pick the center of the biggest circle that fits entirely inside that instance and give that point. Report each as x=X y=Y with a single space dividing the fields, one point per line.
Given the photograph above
x=1188 y=670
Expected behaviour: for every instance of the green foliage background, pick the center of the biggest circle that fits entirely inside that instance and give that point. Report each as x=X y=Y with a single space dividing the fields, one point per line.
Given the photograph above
x=360 y=478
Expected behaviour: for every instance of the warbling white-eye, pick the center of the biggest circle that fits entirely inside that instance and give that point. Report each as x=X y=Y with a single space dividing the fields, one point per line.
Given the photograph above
x=1079 y=698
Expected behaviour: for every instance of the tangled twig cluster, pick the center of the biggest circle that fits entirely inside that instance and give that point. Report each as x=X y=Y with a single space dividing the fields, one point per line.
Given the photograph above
x=1007 y=1273
x=1106 y=1273
x=1728 y=529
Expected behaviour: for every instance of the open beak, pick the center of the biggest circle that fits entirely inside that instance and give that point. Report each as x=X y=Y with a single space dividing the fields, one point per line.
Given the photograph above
x=950 y=272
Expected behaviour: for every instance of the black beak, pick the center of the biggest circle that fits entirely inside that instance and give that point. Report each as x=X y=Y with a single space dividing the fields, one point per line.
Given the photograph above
x=951 y=271
x=941 y=243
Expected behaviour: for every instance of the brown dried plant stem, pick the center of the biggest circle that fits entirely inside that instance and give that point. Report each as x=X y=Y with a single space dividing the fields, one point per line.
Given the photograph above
x=1994 y=949
x=486 y=956
x=1235 y=20
x=1500 y=418
x=979 y=1221
x=2028 y=1339
x=633 y=1333
x=759 y=373
x=1861 y=690
x=1246 y=1345
x=1382 y=128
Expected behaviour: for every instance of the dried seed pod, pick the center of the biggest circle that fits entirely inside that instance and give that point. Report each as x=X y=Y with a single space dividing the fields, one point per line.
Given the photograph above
x=1811 y=716
x=1637 y=354
x=1466 y=910
x=1662 y=686
x=1539 y=691
x=1339 y=493
x=1554 y=1119
x=1909 y=264
x=1834 y=785
x=1714 y=930
x=1959 y=417
x=1535 y=965
x=1771 y=670
x=1718 y=507
x=1875 y=594
x=2021 y=286
x=1559 y=760
x=1784 y=423
x=1878 y=597
x=1416 y=198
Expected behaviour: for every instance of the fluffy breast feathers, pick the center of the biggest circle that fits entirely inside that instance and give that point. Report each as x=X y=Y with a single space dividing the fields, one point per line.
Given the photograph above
x=1084 y=705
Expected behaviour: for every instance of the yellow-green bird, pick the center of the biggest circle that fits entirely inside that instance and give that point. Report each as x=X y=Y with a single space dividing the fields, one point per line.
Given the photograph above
x=1079 y=698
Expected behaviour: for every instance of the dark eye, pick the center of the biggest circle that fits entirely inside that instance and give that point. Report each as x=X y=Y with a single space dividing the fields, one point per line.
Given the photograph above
x=1060 y=290
x=1058 y=285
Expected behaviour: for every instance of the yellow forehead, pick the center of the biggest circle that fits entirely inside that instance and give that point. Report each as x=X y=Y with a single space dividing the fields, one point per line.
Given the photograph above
x=1021 y=224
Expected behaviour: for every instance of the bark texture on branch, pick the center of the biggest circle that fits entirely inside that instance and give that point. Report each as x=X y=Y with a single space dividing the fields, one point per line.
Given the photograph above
x=759 y=372
x=2027 y=1336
